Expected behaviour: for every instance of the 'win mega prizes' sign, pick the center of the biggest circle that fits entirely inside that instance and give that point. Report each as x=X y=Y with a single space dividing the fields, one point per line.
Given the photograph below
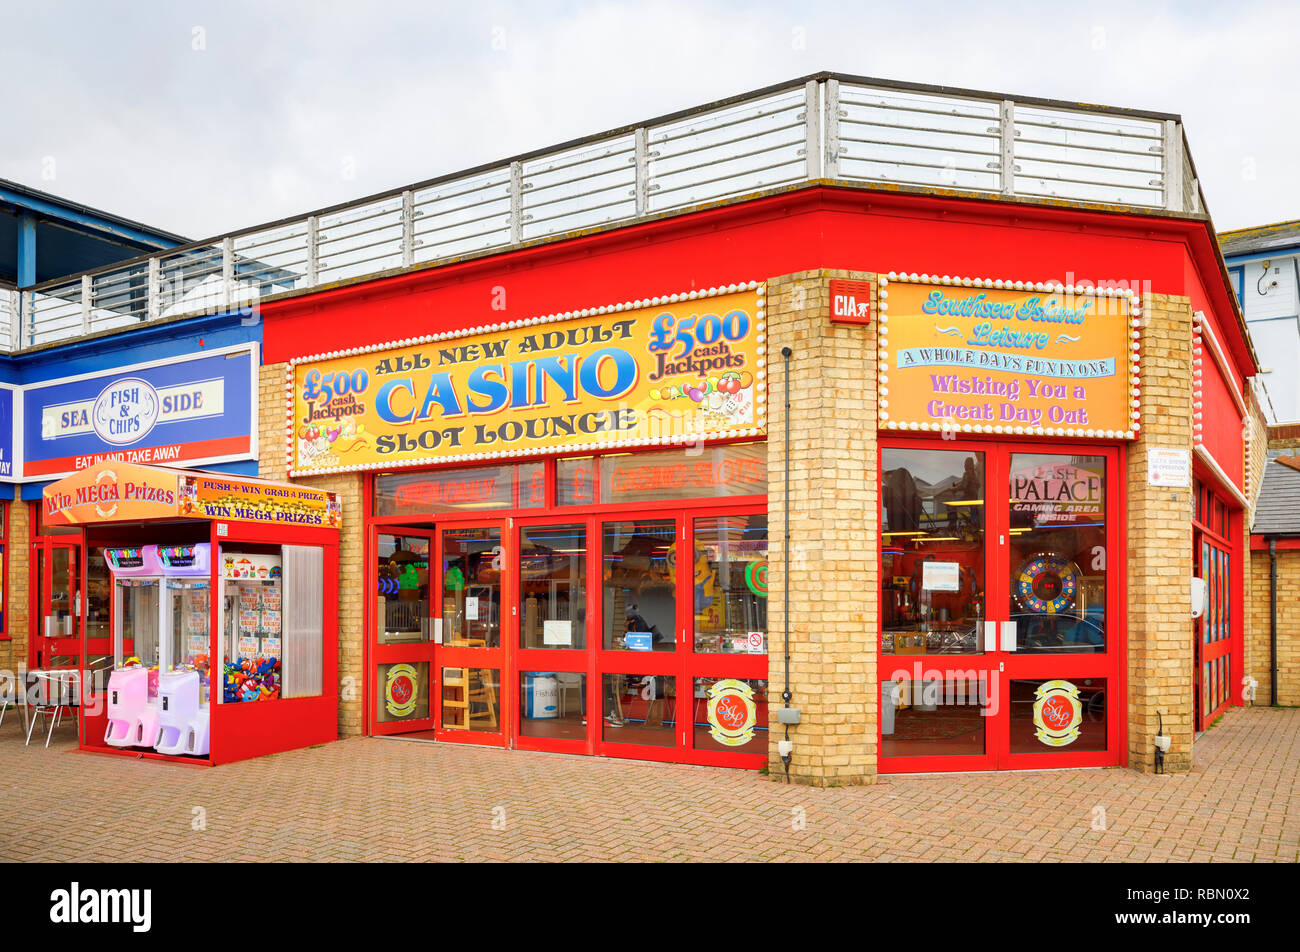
x=988 y=357
x=689 y=368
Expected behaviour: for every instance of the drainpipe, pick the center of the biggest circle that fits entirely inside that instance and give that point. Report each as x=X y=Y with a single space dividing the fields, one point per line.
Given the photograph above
x=786 y=719
x=1272 y=621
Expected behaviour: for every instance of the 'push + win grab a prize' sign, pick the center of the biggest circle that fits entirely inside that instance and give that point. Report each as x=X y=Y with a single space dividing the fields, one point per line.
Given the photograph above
x=686 y=369
x=1001 y=360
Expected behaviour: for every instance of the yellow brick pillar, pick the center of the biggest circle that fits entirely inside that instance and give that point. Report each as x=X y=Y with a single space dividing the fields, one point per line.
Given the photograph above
x=18 y=563
x=1160 y=641
x=349 y=487
x=834 y=521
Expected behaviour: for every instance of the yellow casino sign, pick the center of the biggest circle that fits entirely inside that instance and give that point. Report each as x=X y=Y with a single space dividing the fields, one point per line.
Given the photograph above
x=672 y=369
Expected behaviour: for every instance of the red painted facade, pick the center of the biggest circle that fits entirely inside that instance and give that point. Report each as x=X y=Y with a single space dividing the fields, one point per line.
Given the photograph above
x=809 y=228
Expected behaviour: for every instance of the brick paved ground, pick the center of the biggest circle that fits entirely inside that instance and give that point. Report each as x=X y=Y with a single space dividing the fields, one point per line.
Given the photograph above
x=374 y=799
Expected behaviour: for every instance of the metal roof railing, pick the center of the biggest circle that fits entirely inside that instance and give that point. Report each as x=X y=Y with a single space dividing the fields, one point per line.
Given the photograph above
x=823 y=127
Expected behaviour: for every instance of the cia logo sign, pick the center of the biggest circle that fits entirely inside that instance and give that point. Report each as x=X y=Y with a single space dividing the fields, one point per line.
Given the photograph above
x=125 y=411
x=732 y=712
x=1057 y=713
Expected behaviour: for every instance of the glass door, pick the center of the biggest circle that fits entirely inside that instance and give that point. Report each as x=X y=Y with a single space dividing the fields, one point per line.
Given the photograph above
x=56 y=638
x=472 y=620
x=682 y=660
x=935 y=667
x=403 y=626
x=1057 y=647
x=1214 y=675
x=555 y=604
x=642 y=630
x=726 y=664
x=998 y=647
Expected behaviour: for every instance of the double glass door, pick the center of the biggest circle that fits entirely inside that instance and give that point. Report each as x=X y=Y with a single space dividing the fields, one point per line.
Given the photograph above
x=1001 y=573
x=638 y=634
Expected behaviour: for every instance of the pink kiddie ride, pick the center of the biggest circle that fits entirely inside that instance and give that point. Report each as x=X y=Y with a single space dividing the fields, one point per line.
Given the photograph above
x=183 y=725
x=132 y=719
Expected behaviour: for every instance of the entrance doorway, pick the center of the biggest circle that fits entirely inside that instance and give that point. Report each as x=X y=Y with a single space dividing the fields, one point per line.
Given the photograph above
x=56 y=603
x=629 y=633
x=1001 y=606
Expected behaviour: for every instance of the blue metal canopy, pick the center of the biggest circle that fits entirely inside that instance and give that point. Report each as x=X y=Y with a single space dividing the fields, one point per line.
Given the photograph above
x=43 y=237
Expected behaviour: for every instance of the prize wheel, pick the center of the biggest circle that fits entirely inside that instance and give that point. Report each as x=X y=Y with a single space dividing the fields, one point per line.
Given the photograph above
x=1047 y=583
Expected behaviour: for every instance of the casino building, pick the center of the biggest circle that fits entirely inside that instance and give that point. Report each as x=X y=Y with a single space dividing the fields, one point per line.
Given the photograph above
x=840 y=428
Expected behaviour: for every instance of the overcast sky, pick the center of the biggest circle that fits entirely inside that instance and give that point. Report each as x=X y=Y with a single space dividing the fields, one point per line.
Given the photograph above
x=204 y=117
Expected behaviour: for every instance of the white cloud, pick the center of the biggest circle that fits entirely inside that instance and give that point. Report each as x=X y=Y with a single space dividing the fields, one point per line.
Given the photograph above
x=284 y=99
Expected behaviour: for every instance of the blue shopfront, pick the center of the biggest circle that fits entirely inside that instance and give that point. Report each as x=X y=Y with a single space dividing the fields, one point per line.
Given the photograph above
x=181 y=394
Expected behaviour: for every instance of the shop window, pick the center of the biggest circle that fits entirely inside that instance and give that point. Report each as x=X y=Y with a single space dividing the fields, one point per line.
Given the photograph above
x=575 y=481
x=729 y=584
x=1058 y=553
x=553 y=704
x=403 y=693
x=304 y=622
x=553 y=587
x=932 y=551
x=272 y=629
x=1066 y=715
x=729 y=715
x=640 y=709
x=402 y=579
x=736 y=469
x=451 y=490
x=1216 y=622
x=640 y=603
x=98 y=602
x=532 y=485
x=471 y=587
x=933 y=717
x=137 y=600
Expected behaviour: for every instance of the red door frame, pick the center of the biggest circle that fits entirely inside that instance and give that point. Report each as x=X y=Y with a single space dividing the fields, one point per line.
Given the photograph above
x=41 y=649
x=1221 y=594
x=563 y=660
x=998 y=668
x=457 y=656
x=413 y=653
x=510 y=660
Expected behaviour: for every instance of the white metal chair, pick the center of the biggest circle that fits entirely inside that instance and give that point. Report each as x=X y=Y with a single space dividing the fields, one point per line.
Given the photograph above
x=60 y=691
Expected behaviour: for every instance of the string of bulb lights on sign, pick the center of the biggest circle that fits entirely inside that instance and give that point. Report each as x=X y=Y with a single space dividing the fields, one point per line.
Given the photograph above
x=997 y=354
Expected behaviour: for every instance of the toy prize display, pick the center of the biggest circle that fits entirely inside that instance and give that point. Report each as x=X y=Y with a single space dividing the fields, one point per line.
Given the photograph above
x=158 y=689
x=251 y=654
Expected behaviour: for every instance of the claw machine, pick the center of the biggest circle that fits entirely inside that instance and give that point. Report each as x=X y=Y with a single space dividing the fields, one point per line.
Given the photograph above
x=158 y=687
x=224 y=611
